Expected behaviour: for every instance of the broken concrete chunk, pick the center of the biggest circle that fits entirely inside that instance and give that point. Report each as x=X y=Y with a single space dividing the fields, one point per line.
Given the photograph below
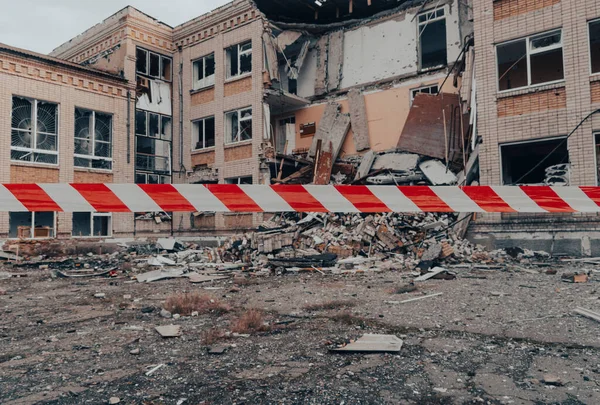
x=169 y=331
x=433 y=252
x=169 y=244
x=217 y=349
x=358 y=120
x=370 y=343
x=196 y=278
x=436 y=173
x=114 y=400
x=160 y=261
x=159 y=275
x=396 y=162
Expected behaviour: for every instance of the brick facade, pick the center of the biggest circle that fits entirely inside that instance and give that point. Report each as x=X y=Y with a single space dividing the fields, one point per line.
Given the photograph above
x=91 y=177
x=238 y=86
x=510 y=8
x=532 y=102
x=28 y=174
x=203 y=158
x=203 y=96
x=233 y=153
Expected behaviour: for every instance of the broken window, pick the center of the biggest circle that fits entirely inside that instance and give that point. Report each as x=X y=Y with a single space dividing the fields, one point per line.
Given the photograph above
x=433 y=89
x=141 y=63
x=94 y=224
x=595 y=45
x=239 y=59
x=432 y=38
x=519 y=160
x=238 y=126
x=93 y=139
x=239 y=180
x=204 y=72
x=30 y=225
x=34 y=131
x=204 y=133
x=153 y=155
x=530 y=61
x=153 y=65
x=153 y=125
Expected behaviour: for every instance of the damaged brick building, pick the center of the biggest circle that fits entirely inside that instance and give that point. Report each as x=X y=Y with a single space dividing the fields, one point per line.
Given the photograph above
x=250 y=93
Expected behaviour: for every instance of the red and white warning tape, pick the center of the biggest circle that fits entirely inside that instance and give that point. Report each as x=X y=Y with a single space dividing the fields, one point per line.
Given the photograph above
x=294 y=198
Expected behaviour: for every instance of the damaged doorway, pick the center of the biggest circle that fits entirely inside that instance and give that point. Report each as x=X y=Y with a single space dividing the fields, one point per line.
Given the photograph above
x=521 y=161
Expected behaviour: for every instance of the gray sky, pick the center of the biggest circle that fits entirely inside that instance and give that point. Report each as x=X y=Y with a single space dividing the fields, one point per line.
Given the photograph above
x=42 y=25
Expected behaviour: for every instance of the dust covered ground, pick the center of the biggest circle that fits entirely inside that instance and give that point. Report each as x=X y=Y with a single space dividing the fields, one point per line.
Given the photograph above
x=493 y=337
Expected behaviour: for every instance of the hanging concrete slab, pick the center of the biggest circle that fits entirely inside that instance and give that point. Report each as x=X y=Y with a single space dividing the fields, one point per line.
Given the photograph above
x=373 y=344
x=335 y=60
x=436 y=173
x=358 y=120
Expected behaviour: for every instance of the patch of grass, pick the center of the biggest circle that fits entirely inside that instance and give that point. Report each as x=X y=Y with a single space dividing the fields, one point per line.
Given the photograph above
x=212 y=336
x=245 y=281
x=250 y=321
x=328 y=305
x=185 y=304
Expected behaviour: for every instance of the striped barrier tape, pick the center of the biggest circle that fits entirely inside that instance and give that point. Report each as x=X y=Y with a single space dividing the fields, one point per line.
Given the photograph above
x=294 y=198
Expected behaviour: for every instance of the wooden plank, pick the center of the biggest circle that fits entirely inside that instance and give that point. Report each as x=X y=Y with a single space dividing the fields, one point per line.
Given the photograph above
x=323 y=168
x=282 y=161
x=358 y=120
x=294 y=176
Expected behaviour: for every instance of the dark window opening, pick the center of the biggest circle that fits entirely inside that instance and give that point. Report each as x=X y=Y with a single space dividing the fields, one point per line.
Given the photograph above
x=141 y=128
x=209 y=65
x=239 y=180
x=153 y=125
x=154 y=65
x=141 y=63
x=512 y=65
x=166 y=69
x=595 y=46
x=233 y=61
x=519 y=159
x=292 y=86
x=434 y=50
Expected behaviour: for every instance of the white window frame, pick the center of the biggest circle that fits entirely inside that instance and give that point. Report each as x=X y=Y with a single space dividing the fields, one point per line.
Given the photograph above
x=92 y=216
x=530 y=52
x=421 y=26
x=240 y=53
x=240 y=119
x=93 y=140
x=32 y=227
x=595 y=21
x=238 y=180
x=195 y=135
x=33 y=149
x=414 y=92
x=207 y=81
x=161 y=74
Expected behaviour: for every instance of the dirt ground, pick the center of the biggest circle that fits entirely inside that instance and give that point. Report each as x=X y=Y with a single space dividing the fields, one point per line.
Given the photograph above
x=492 y=337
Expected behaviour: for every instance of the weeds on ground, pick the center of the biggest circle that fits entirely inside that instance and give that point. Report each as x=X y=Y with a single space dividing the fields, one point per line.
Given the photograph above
x=185 y=304
x=330 y=305
x=212 y=336
x=250 y=321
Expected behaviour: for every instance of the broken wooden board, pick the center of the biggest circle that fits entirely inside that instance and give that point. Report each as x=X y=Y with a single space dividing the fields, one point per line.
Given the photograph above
x=370 y=343
x=169 y=331
x=358 y=120
x=196 y=278
x=323 y=168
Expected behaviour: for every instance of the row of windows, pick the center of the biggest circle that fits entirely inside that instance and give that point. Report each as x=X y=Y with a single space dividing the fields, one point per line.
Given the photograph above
x=238 y=128
x=40 y=225
x=34 y=134
x=238 y=61
x=539 y=59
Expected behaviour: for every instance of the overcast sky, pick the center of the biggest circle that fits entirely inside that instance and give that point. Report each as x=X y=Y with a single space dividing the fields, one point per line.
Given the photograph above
x=42 y=25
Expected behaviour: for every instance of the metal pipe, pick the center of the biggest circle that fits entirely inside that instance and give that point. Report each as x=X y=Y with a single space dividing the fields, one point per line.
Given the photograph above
x=181 y=166
x=129 y=127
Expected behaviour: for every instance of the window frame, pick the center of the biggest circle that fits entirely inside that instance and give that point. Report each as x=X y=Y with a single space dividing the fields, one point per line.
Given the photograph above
x=34 y=117
x=589 y=24
x=238 y=180
x=240 y=119
x=513 y=143
x=417 y=90
x=160 y=125
x=203 y=83
x=528 y=53
x=196 y=135
x=420 y=33
x=93 y=140
x=160 y=65
x=92 y=216
x=32 y=227
x=240 y=53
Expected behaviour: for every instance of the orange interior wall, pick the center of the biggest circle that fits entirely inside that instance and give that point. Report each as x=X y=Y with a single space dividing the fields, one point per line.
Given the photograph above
x=387 y=111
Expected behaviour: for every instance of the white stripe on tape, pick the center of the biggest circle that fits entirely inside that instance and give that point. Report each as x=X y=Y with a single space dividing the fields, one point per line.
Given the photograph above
x=201 y=198
x=266 y=198
x=134 y=198
x=9 y=203
x=67 y=198
x=456 y=199
x=394 y=199
x=517 y=199
x=577 y=199
x=331 y=199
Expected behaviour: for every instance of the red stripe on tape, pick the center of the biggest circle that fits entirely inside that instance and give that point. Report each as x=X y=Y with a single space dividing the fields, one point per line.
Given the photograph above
x=33 y=197
x=298 y=198
x=167 y=197
x=425 y=198
x=593 y=193
x=363 y=199
x=101 y=197
x=233 y=197
x=547 y=199
x=487 y=199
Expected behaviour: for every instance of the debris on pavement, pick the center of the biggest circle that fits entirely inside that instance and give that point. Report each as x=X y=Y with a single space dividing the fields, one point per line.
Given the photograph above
x=438 y=273
x=588 y=313
x=169 y=331
x=371 y=343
